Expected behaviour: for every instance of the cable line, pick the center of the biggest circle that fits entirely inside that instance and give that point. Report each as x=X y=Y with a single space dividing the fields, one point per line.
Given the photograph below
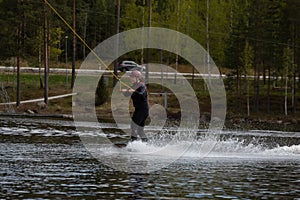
x=82 y=40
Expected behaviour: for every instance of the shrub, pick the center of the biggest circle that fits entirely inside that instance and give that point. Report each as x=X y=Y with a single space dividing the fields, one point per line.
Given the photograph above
x=101 y=93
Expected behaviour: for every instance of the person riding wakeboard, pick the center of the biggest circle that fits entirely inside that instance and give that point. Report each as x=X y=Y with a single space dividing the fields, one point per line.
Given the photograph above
x=139 y=96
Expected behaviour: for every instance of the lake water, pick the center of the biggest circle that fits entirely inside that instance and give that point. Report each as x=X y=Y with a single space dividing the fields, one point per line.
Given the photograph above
x=46 y=159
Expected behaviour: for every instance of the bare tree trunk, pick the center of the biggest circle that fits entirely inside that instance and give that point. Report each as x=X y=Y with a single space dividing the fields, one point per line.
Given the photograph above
x=46 y=54
x=257 y=88
x=148 y=42
x=207 y=41
x=269 y=89
x=237 y=96
x=177 y=29
x=295 y=67
x=294 y=93
x=248 y=98
x=285 y=95
x=84 y=32
x=117 y=42
x=193 y=76
x=74 y=44
x=20 y=16
x=264 y=73
x=40 y=63
x=143 y=25
x=161 y=69
x=256 y=80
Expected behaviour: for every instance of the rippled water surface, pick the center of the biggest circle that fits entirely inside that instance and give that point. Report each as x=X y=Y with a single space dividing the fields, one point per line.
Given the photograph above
x=46 y=159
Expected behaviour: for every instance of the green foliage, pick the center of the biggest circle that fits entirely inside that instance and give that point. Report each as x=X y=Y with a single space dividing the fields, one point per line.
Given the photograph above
x=287 y=68
x=219 y=28
x=8 y=30
x=56 y=36
x=267 y=25
x=101 y=95
x=239 y=22
x=247 y=59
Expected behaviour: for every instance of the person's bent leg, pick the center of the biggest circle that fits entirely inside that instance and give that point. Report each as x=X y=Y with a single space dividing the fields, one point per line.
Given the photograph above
x=137 y=125
x=134 y=131
x=142 y=134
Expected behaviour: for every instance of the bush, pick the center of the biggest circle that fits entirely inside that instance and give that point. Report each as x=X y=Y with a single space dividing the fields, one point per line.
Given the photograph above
x=101 y=93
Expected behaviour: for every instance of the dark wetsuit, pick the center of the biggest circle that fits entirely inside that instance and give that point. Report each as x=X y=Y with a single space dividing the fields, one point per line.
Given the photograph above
x=140 y=102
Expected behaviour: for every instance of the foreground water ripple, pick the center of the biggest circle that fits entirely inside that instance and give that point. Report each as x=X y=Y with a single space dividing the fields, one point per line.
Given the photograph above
x=50 y=162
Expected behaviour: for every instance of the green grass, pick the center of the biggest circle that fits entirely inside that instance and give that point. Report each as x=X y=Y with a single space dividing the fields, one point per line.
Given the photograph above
x=236 y=103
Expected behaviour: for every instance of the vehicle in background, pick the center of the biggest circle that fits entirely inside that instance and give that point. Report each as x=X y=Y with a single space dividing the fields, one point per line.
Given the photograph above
x=127 y=65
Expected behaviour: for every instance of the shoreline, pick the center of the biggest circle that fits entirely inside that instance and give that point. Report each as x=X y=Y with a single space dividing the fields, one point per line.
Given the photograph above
x=231 y=123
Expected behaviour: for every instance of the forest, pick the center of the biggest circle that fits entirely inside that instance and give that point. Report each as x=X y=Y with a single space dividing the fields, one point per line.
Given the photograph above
x=258 y=38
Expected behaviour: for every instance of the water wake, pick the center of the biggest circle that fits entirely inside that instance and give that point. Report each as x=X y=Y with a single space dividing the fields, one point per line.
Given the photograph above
x=171 y=143
x=242 y=146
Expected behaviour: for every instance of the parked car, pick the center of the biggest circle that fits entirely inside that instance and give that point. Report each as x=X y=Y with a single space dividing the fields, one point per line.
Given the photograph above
x=129 y=65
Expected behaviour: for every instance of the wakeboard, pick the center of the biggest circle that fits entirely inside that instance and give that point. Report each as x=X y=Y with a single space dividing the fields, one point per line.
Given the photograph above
x=120 y=144
x=119 y=141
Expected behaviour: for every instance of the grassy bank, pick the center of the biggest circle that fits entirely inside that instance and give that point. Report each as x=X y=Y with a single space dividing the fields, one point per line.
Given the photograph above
x=236 y=102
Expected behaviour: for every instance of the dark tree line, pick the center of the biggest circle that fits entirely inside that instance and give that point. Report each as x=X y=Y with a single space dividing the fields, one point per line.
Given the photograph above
x=256 y=38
